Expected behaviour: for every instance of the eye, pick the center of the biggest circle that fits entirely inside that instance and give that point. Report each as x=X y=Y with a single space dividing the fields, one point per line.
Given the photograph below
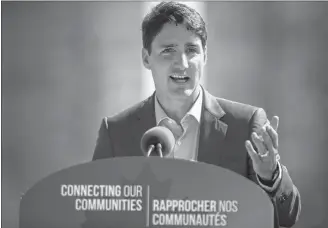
x=168 y=50
x=192 y=50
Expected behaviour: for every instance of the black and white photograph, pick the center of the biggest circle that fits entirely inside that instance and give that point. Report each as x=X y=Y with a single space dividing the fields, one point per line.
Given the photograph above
x=198 y=114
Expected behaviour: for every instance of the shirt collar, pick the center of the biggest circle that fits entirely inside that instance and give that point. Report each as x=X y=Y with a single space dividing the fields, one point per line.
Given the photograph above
x=195 y=110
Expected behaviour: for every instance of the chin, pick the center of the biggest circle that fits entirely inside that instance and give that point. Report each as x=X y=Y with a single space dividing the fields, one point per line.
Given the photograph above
x=181 y=93
x=188 y=92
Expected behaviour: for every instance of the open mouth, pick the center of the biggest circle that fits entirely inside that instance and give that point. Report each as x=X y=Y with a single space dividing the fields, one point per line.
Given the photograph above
x=179 y=78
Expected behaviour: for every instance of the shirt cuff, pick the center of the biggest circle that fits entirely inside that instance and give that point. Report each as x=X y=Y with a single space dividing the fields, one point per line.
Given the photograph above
x=275 y=183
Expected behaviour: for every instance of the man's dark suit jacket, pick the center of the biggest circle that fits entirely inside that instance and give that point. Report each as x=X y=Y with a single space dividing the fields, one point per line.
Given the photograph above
x=224 y=128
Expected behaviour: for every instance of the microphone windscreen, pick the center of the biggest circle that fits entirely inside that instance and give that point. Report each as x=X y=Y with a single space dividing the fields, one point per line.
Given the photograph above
x=156 y=135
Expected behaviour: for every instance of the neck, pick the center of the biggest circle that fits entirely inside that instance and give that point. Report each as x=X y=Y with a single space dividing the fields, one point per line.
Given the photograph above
x=176 y=109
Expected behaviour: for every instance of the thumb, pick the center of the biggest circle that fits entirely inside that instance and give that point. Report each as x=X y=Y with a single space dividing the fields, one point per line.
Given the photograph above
x=252 y=153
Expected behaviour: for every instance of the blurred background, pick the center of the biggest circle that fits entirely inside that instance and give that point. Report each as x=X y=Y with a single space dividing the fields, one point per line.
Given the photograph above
x=65 y=65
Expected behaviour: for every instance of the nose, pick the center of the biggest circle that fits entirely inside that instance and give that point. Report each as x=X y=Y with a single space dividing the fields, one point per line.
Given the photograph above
x=182 y=61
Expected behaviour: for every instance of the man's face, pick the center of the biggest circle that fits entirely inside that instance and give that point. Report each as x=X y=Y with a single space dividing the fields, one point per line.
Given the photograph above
x=176 y=60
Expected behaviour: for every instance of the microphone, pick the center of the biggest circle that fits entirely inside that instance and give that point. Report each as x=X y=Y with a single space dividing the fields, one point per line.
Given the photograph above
x=159 y=138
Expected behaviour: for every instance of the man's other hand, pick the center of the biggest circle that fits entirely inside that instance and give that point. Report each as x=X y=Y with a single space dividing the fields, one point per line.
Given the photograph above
x=265 y=158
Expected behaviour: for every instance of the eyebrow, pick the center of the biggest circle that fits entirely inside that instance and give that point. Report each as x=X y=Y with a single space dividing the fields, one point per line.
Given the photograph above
x=168 y=45
x=191 y=45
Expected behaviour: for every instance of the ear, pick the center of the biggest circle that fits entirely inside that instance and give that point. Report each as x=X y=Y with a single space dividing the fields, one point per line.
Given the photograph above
x=205 y=54
x=145 y=58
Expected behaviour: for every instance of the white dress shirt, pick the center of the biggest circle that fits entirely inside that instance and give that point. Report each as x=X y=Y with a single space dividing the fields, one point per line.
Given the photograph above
x=186 y=132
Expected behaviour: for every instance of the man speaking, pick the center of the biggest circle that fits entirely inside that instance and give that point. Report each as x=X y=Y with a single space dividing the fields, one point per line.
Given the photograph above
x=206 y=128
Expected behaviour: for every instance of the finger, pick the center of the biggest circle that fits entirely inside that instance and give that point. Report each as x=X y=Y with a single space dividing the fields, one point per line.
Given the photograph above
x=252 y=153
x=263 y=128
x=274 y=136
x=269 y=144
x=275 y=122
x=258 y=143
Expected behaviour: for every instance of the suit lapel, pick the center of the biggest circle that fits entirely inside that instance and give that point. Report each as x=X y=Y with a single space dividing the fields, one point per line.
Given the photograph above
x=145 y=119
x=212 y=131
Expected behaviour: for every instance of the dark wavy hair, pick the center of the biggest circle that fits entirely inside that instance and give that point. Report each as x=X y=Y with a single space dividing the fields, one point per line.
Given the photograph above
x=171 y=12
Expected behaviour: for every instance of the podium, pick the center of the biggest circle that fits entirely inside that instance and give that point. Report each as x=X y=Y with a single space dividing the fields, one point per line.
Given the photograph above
x=142 y=192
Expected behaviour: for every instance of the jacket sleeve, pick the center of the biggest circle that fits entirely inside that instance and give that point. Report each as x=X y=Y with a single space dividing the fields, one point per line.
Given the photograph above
x=104 y=147
x=285 y=196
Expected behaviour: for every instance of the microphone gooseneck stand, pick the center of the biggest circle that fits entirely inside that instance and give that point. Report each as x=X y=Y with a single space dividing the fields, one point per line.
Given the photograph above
x=150 y=150
x=158 y=149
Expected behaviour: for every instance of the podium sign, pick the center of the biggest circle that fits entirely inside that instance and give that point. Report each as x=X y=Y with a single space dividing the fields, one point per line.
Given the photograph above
x=144 y=192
